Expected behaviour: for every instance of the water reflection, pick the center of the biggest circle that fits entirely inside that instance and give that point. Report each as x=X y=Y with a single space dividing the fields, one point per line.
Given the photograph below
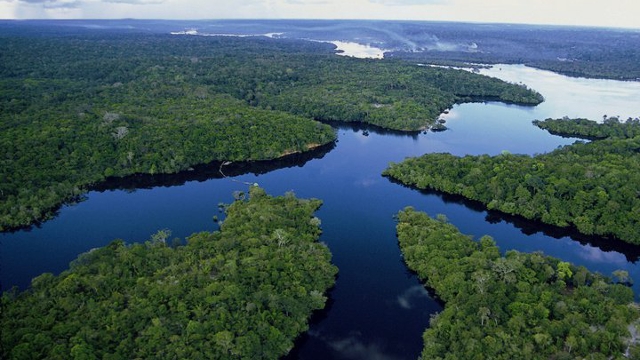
x=604 y=245
x=354 y=347
x=406 y=299
x=212 y=170
x=366 y=129
x=615 y=249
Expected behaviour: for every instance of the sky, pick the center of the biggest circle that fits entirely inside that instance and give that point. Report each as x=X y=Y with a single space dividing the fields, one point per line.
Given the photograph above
x=607 y=13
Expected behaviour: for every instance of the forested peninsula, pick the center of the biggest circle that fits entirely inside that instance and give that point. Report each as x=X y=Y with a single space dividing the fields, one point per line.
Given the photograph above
x=245 y=292
x=106 y=103
x=590 y=186
x=516 y=306
x=611 y=127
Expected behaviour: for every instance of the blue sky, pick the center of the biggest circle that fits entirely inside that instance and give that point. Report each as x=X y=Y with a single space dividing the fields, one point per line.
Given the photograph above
x=610 y=13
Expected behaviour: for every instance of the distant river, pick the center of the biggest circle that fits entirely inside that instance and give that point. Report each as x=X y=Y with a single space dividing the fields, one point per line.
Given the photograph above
x=574 y=97
x=378 y=310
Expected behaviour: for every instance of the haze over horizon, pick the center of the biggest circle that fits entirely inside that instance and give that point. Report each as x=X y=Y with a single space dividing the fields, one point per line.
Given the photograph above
x=598 y=13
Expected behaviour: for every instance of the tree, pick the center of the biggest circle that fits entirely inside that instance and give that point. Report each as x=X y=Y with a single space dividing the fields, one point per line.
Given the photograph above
x=622 y=277
x=564 y=270
x=484 y=313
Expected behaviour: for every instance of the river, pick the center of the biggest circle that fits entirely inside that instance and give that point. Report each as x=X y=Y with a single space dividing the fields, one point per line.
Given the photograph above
x=377 y=310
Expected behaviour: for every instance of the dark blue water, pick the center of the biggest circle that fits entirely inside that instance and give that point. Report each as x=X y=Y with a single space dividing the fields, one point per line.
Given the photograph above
x=377 y=310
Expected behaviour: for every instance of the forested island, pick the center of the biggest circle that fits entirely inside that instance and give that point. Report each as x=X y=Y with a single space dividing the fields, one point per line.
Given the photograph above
x=112 y=103
x=590 y=186
x=516 y=306
x=245 y=291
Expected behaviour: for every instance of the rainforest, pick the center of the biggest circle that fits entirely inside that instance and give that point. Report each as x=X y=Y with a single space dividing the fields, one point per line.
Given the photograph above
x=231 y=189
x=245 y=291
x=104 y=106
x=591 y=186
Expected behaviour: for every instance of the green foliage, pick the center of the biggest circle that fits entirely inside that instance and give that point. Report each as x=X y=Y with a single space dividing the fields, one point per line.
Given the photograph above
x=611 y=127
x=520 y=306
x=388 y=94
x=103 y=107
x=109 y=104
x=244 y=292
x=592 y=186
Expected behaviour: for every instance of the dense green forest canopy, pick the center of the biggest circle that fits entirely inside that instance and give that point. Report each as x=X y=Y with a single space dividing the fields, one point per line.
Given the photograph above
x=611 y=127
x=115 y=103
x=516 y=306
x=591 y=186
x=245 y=291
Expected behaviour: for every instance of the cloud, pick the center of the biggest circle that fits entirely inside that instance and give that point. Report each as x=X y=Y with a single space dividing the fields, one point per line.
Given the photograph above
x=307 y=2
x=135 y=2
x=616 y=13
x=54 y=4
x=415 y=292
x=409 y=2
x=594 y=254
x=352 y=347
x=366 y=182
x=51 y=4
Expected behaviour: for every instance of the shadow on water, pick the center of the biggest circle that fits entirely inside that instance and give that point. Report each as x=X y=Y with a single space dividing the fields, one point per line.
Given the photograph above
x=475 y=206
x=209 y=171
x=198 y=173
x=530 y=227
x=369 y=128
x=317 y=317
